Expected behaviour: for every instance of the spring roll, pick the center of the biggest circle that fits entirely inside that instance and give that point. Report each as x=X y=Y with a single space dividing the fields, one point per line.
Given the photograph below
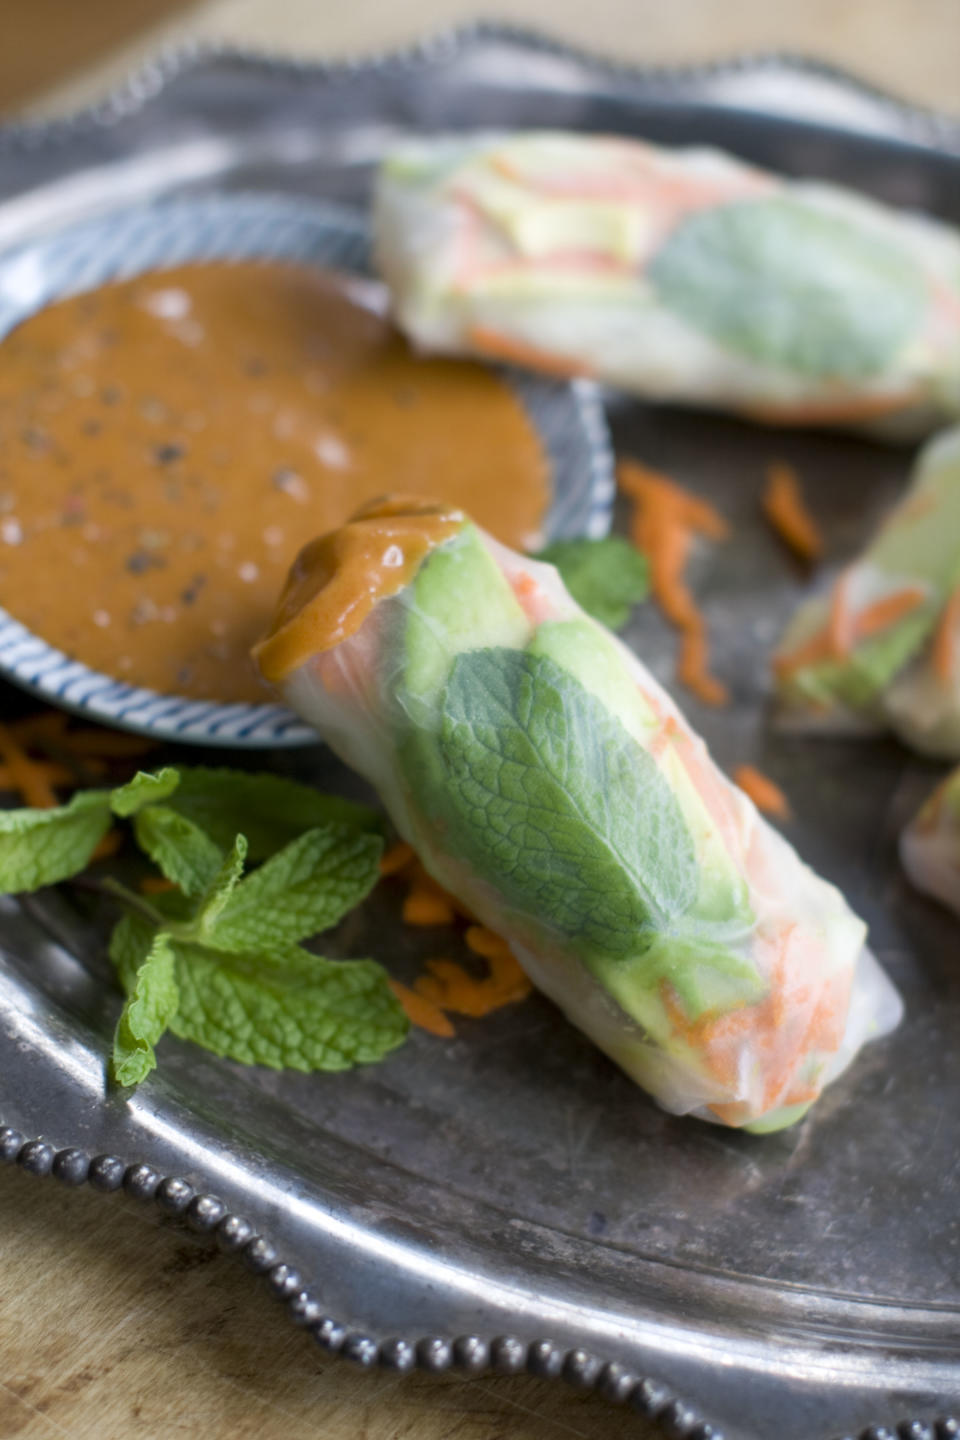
x=881 y=649
x=679 y=275
x=930 y=844
x=550 y=784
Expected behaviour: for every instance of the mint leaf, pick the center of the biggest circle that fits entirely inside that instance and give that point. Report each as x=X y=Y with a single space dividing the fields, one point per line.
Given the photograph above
x=151 y=1004
x=791 y=285
x=218 y=891
x=309 y=886
x=298 y=1012
x=41 y=847
x=269 y=809
x=291 y=1009
x=183 y=852
x=549 y=794
x=605 y=577
x=144 y=789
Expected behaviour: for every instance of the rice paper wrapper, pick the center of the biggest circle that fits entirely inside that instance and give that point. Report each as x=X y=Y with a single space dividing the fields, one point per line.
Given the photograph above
x=930 y=844
x=680 y=275
x=879 y=650
x=549 y=783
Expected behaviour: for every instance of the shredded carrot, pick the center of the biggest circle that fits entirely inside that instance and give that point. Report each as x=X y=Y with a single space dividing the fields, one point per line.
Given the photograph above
x=945 y=640
x=54 y=772
x=451 y=987
x=427 y=904
x=518 y=352
x=879 y=616
x=486 y=943
x=837 y=639
x=665 y=520
x=156 y=885
x=28 y=777
x=109 y=845
x=52 y=725
x=785 y=508
x=397 y=858
x=765 y=794
x=421 y=1012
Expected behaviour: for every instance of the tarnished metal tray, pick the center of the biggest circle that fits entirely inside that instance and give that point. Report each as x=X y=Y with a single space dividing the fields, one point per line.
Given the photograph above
x=511 y=1182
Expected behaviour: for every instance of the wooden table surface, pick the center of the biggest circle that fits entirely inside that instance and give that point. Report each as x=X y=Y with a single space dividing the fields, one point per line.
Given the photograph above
x=114 y=1323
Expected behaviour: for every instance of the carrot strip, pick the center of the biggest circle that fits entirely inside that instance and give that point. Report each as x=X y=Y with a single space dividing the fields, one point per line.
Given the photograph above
x=426 y=904
x=785 y=508
x=155 y=885
x=397 y=858
x=518 y=352
x=109 y=845
x=49 y=726
x=843 y=631
x=420 y=1012
x=665 y=520
x=765 y=794
x=486 y=943
x=28 y=777
x=886 y=612
x=55 y=773
x=944 y=641
x=692 y=667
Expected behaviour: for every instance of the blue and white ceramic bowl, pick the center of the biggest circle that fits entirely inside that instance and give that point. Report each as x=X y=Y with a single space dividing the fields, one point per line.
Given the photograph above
x=568 y=417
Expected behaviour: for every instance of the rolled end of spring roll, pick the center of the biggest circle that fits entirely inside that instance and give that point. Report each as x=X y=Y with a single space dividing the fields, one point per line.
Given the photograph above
x=679 y=275
x=930 y=844
x=550 y=784
x=881 y=648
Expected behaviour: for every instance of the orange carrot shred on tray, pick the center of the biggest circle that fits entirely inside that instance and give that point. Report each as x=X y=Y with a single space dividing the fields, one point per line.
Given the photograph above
x=945 y=640
x=426 y=904
x=28 y=777
x=785 y=508
x=108 y=846
x=51 y=727
x=666 y=519
x=764 y=792
x=422 y=1012
x=55 y=773
x=155 y=885
x=396 y=858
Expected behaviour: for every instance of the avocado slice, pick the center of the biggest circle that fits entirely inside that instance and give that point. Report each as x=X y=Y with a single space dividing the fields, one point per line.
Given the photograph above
x=461 y=601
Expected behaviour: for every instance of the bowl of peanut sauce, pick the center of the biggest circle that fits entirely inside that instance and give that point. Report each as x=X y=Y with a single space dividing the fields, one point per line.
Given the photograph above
x=191 y=390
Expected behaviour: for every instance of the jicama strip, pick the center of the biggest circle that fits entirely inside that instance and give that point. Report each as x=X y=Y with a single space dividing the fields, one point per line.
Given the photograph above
x=882 y=648
x=550 y=785
x=930 y=844
x=681 y=275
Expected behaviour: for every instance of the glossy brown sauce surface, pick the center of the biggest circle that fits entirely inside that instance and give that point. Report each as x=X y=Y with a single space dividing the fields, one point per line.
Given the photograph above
x=168 y=444
x=337 y=579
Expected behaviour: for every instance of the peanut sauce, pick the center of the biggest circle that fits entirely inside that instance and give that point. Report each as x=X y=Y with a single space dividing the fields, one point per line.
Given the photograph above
x=337 y=579
x=168 y=443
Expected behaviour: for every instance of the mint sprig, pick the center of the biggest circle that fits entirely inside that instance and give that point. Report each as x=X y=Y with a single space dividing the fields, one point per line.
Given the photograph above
x=218 y=959
x=606 y=577
x=152 y=1003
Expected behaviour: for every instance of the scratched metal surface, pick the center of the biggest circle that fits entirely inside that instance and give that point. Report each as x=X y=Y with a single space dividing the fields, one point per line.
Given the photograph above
x=512 y=1180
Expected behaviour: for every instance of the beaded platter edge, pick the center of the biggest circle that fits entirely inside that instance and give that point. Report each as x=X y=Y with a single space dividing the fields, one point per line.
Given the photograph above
x=469 y=1355
x=205 y=1214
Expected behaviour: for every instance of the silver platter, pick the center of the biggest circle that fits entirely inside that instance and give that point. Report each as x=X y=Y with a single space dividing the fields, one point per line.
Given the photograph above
x=511 y=1183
